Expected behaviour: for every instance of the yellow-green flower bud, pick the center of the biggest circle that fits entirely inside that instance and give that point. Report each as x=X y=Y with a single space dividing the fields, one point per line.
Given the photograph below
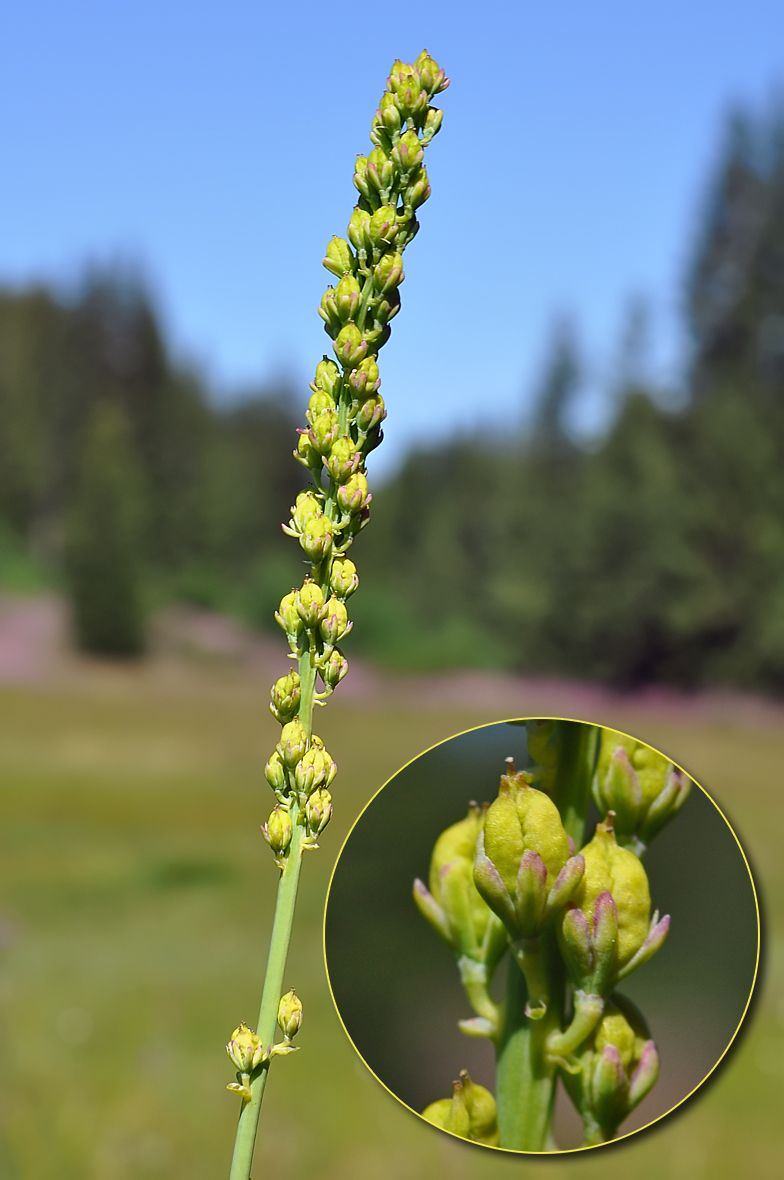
x=335 y=623
x=364 y=379
x=327 y=379
x=382 y=227
x=643 y=789
x=320 y=401
x=350 y=347
x=361 y=176
x=330 y=765
x=380 y=170
x=293 y=743
x=344 y=459
x=371 y=414
x=389 y=113
x=357 y=229
x=405 y=84
x=334 y=668
x=277 y=830
x=523 y=819
x=324 y=430
x=386 y=309
x=328 y=311
x=288 y=615
x=431 y=77
x=316 y=537
x=347 y=297
x=418 y=189
x=285 y=697
x=340 y=260
x=408 y=153
x=275 y=773
x=310 y=603
x=482 y=1112
x=289 y=1014
x=608 y=867
x=353 y=495
x=433 y=120
x=245 y=1049
x=388 y=273
x=307 y=506
x=306 y=453
x=318 y=810
x=343 y=577
x=316 y=769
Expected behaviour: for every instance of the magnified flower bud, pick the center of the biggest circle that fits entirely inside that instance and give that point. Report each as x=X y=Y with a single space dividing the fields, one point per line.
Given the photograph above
x=277 y=830
x=288 y=616
x=451 y=1114
x=285 y=697
x=350 y=347
x=344 y=459
x=353 y=495
x=289 y=1014
x=245 y=1049
x=340 y=260
x=318 y=810
x=643 y=789
x=316 y=538
x=293 y=743
x=343 y=578
x=334 y=668
x=470 y=1112
x=612 y=869
x=335 y=623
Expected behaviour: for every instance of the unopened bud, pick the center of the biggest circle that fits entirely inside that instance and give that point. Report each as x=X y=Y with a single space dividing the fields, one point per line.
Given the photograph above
x=408 y=152
x=306 y=452
x=353 y=495
x=612 y=869
x=371 y=414
x=285 y=697
x=319 y=402
x=335 y=623
x=361 y=176
x=364 y=379
x=344 y=459
x=334 y=668
x=389 y=113
x=357 y=229
x=388 y=273
x=316 y=537
x=380 y=170
x=289 y=1014
x=343 y=578
x=350 y=347
x=245 y=1049
x=277 y=830
x=433 y=121
x=347 y=297
x=328 y=311
x=382 y=228
x=310 y=603
x=293 y=743
x=340 y=260
x=287 y=615
x=307 y=506
x=418 y=189
x=328 y=378
x=482 y=1112
x=324 y=430
x=275 y=773
x=316 y=769
x=318 y=810
x=432 y=78
x=387 y=308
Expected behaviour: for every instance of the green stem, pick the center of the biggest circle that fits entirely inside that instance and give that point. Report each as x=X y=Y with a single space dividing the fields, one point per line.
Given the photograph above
x=525 y=1077
x=577 y=743
x=273 y=990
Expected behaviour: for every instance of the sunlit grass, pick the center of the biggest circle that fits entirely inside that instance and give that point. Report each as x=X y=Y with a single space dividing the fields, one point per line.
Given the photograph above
x=135 y=897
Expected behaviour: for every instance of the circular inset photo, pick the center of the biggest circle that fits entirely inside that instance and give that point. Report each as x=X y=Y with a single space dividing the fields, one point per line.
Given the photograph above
x=542 y=935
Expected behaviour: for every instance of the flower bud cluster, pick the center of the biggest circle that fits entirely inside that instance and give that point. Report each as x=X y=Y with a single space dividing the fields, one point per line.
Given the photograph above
x=343 y=425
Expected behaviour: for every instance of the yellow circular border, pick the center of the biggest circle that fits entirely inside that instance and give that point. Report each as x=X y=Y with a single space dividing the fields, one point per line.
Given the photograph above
x=566 y=1150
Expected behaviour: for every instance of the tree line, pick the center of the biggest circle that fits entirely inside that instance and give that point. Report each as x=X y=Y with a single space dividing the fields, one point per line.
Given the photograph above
x=655 y=555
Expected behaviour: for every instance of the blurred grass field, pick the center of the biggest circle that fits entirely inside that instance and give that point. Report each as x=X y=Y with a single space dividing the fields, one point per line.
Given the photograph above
x=135 y=902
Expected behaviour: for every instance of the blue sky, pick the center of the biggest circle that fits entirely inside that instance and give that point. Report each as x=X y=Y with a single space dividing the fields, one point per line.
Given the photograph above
x=212 y=144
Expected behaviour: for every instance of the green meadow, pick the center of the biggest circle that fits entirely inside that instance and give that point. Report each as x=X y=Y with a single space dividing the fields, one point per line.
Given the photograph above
x=135 y=901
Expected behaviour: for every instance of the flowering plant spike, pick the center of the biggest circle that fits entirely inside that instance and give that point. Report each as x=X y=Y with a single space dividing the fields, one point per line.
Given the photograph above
x=576 y=918
x=343 y=424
